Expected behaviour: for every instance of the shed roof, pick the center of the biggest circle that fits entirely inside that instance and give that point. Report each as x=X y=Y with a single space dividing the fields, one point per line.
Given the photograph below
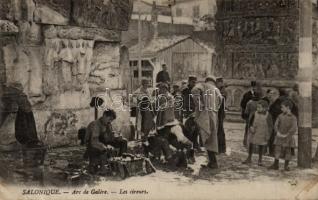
x=151 y=48
x=209 y=46
x=157 y=44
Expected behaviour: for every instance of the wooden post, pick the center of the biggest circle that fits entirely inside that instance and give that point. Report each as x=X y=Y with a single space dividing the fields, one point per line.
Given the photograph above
x=316 y=155
x=139 y=49
x=305 y=85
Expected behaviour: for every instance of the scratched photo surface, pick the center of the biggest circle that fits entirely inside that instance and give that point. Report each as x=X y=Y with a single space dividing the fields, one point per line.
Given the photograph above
x=158 y=99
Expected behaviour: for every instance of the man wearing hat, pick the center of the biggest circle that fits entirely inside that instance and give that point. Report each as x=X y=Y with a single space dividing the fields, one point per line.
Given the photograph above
x=188 y=109
x=221 y=116
x=246 y=98
x=163 y=75
x=207 y=99
x=188 y=104
x=178 y=102
x=165 y=106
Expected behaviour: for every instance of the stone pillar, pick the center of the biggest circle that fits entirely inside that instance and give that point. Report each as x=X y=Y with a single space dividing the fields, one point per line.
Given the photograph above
x=305 y=84
x=63 y=52
x=256 y=40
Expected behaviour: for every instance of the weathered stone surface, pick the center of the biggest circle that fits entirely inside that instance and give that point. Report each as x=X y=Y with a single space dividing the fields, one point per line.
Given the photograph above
x=5 y=9
x=105 y=66
x=7 y=27
x=260 y=7
x=4 y=40
x=59 y=127
x=52 y=12
x=315 y=52
x=7 y=130
x=24 y=65
x=62 y=63
x=75 y=33
x=70 y=99
x=125 y=69
x=259 y=41
x=315 y=72
x=107 y=14
x=30 y=33
x=61 y=6
x=67 y=64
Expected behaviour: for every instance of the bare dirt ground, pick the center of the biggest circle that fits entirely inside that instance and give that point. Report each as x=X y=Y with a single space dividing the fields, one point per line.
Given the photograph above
x=231 y=180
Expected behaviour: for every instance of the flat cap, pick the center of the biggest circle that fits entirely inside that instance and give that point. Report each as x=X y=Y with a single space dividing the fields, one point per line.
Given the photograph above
x=210 y=78
x=192 y=78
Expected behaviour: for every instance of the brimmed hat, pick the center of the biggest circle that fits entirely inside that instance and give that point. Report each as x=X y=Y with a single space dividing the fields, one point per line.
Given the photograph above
x=172 y=123
x=253 y=83
x=219 y=79
x=263 y=103
x=144 y=81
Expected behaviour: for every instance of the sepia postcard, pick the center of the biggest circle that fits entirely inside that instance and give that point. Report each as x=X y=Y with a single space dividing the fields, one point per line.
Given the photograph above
x=158 y=99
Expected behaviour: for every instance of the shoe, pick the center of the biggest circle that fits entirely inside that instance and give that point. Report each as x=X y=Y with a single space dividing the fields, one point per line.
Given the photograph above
x=200 y=150
x=275 y=166
x=286 y=168
x=213 y=165
x=191 y=160
x=260 y=164
x=247 y=161
x=210 y=165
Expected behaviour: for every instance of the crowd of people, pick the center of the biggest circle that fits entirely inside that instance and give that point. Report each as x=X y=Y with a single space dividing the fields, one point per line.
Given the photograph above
x=174 y=121
x=271 y=123
x=187 y=116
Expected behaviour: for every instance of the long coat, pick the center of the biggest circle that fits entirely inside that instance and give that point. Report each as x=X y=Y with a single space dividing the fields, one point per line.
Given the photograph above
x=207 y=99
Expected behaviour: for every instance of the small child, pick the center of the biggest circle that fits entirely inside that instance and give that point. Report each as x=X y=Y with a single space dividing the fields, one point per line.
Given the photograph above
x=260 y=128
x=286 y=128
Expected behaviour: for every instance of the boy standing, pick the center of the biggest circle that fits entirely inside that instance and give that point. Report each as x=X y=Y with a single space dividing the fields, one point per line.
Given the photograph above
x=286 y=128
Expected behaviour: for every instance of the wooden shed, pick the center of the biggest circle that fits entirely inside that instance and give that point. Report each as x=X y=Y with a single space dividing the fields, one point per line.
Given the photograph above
x=183 y=56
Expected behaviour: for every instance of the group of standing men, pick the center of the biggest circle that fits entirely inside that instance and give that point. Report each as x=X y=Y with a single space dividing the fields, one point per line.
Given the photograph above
x=198 y=107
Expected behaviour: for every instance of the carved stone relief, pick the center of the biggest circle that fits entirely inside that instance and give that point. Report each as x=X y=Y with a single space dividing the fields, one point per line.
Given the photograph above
x=258 y=30
x=68 y=63
x=253 y=6
x=258 y=39
x=109 y=14
x=105 y=72
x=86 y=33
